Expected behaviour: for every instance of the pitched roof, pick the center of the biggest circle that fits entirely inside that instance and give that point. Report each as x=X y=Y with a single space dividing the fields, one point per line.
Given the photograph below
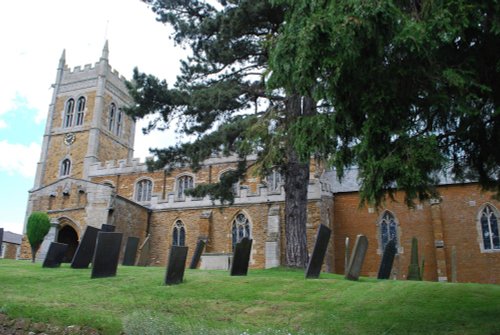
x=13 y=238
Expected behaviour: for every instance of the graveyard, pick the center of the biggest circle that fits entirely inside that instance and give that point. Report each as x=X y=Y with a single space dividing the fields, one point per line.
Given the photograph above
x=273 y=301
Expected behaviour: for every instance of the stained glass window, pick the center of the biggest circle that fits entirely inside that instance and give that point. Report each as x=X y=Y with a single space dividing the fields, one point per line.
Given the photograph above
x=388 y=229
x=241 y=228
x=179 y=234
x=489 y=227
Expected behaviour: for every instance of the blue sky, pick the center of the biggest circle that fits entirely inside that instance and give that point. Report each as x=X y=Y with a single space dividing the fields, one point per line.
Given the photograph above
x=33 y=34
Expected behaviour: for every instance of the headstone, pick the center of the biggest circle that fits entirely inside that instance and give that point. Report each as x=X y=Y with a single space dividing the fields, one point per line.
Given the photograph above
x=319 y=252
x=357 y=258
x=241 y=257
x=176 y=265
x=55 y=255
x=346 y=255
x=1 y=238
x=130 y=250
x=197 y=254
x=144 y=253
x=107 y=251
x=384 y=272
x=107 y=228
x=85 y=251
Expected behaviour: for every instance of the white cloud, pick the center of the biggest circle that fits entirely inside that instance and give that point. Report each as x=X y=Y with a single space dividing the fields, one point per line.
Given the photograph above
x=19 y=159
x=3 y=124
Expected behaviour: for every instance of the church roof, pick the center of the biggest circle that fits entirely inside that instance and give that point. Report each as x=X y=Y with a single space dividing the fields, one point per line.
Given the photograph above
x=13 y=238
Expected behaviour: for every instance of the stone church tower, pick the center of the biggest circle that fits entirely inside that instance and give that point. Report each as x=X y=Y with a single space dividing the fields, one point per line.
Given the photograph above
x=85 y=123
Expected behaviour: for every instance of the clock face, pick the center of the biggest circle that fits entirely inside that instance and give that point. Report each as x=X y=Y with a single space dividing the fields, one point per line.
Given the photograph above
x=69 y=138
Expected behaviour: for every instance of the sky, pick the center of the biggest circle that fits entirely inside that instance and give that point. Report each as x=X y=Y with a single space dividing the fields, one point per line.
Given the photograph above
x=33 y=34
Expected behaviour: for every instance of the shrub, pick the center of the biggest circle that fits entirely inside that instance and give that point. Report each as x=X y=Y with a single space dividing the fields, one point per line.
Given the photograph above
x=38 y=227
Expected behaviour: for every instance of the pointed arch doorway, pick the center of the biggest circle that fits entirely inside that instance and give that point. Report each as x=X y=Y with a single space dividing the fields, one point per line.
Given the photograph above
x=68 y=235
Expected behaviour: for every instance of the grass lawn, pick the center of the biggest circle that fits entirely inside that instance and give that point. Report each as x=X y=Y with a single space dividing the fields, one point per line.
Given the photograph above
x=272 y=301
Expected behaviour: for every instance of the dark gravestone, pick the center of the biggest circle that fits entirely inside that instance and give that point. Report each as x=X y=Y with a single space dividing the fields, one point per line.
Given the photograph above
x=176 y=265
x=107 y=251
x=384 y=272
x=144 y=253
x=241 y=257
x=197 y=254
x=55 y=255
x=85 y=251
x=107 y=228
x=1 y=238
x=319 y=251
x=357 y=258
x=130 y=251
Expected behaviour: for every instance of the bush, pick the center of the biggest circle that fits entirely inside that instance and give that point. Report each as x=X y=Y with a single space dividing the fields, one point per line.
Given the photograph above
x=38 y=227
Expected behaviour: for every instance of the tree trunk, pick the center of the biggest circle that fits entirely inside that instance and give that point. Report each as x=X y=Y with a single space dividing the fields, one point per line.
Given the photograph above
x=296 y=184
x=34 y=250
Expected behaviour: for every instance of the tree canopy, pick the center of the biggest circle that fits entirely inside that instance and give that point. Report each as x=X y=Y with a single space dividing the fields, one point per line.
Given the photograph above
x=410 y=89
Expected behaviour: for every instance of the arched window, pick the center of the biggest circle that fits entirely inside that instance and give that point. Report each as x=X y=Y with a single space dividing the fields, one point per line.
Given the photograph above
x=119 y=122
x=179 y=234
x=241 y=228
x=65 y=167
x=234 y=186
x=143 y=190
x=489 y=228
x=68 y=113
x=80 y=111
x=274 y=181
x=184 y=183
x=388 y=229
x=112 y=116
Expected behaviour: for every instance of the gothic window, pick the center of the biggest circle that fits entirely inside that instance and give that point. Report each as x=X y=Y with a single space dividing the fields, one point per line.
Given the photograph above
x=179 y=234
x=80 y=111
x=68 y=113
x=184 y=183
x=240 y=229
x=119 y=122
x=388 y=229
x=274 y=181
x=65 y=167
x=489 y=228
x=234 y=186
x=112 y=116
x=143 y=190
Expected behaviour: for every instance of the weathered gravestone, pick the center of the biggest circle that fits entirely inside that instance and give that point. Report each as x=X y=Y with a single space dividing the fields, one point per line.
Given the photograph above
x=144 y=253
x=357 y=258
x=384 y=272
x=316 y=261
x=197 y=254
x=176 y=265
x=241 y=257
x=1 y=238
x=85 y=251
x=55 y=255
x=107 y=228
x=130 y=250
x=107 y=251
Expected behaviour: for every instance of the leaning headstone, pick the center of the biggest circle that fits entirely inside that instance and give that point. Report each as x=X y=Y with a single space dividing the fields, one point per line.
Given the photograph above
x=384 y=271
x=1 y=240
x=130 y=250
x=176 y=265
x=108 y=228
x=55 y=255
x=85 y=251
x=357 y=258
x=197 y=254
x=107 y=251
x=319 y=252
x=144 y=253
x=241 y=257
x=414 y=267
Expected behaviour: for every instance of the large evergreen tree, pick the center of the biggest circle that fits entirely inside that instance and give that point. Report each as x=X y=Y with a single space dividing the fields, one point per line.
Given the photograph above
x=221 y=99
x=411 y=89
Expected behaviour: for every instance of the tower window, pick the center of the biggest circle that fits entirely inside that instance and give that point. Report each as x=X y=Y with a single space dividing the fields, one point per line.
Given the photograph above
x=80 y=111
x=112 y=116
x=241 y=229
x=119 y=122
x=184 y=183
x=65 y=167
x=68 y=113
x=179 y=234
x=274 y=181
x=489 y=228
x=143 y=190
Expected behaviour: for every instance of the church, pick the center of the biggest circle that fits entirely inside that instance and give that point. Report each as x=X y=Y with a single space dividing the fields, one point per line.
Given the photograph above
x=87 y=176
